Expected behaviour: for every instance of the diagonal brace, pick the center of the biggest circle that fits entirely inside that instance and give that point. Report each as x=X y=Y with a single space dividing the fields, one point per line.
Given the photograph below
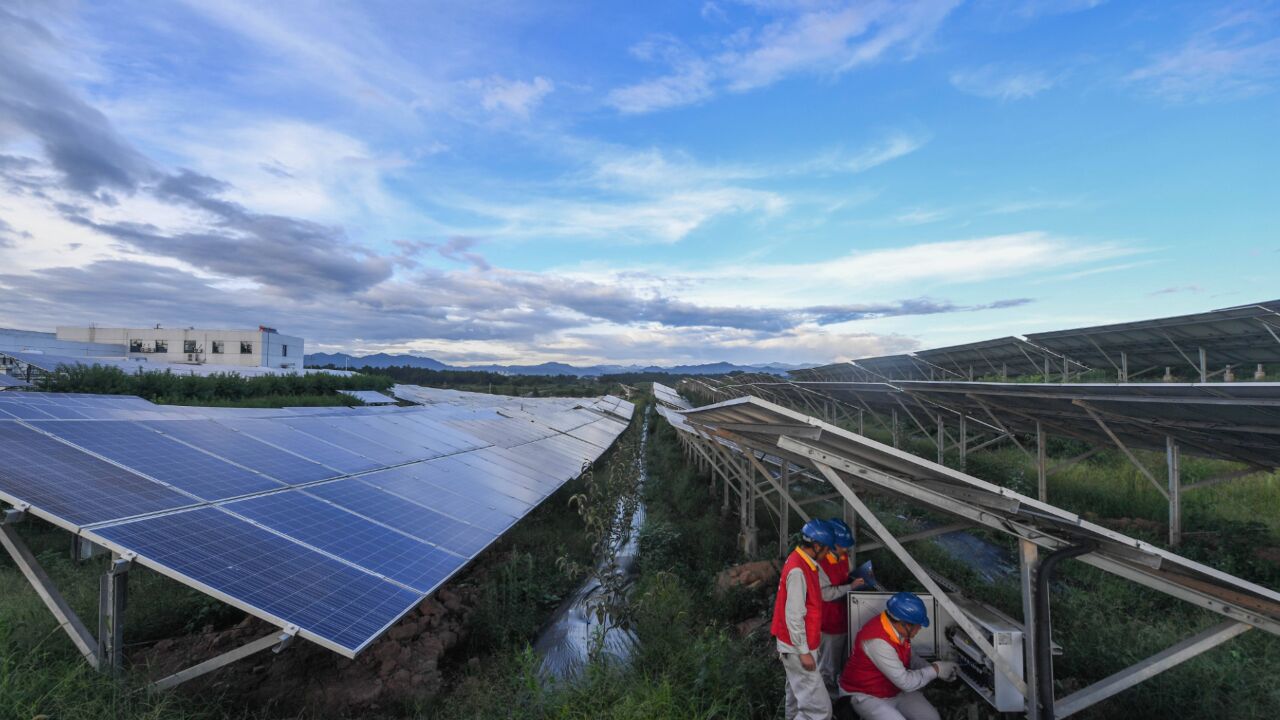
x=48 y=592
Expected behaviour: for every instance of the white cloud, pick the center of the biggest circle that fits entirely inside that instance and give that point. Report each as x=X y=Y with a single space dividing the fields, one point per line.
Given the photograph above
x=515 y=97
x=1236 y=57
x=990 y=81
x=809 y=38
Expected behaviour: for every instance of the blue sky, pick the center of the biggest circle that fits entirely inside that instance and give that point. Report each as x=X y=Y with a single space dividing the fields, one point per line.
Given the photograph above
x=752 y=180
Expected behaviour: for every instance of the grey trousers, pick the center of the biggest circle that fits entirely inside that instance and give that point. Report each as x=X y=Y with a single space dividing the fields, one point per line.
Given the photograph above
x=832 y=654
x=807 y=697
x=904 y=706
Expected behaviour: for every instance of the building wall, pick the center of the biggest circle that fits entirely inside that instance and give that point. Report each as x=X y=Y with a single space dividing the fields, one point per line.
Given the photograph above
x=184 y=345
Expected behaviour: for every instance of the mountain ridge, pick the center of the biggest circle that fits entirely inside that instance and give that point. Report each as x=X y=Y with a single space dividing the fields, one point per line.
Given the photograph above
x=382 y=360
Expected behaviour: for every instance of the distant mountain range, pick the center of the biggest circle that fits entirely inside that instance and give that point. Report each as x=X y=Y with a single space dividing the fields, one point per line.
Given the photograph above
x=382 y=360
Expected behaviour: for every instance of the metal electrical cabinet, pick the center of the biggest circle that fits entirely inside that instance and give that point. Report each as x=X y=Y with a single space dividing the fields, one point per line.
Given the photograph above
x=944 y=640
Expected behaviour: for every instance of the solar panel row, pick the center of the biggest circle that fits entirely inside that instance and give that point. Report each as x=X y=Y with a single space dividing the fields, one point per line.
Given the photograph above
x=329 y=519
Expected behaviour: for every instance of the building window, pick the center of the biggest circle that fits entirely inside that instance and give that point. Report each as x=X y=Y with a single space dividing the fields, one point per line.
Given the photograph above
x=162 y=346
x=217 y=347
x=284 y=350
x=135 y=346
x=246 y=348
x=189 y=346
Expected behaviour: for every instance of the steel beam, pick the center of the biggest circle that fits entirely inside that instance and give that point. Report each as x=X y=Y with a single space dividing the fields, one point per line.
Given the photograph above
x=277 y=637
x=48 y=592
x=1174 y=464
x=1149 y=668
x=1029 y=564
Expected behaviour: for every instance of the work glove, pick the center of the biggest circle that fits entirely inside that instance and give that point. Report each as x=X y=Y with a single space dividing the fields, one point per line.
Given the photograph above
x=946 y=670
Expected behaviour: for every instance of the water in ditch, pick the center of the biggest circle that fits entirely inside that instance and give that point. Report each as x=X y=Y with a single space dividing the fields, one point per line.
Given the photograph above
x=566 y=642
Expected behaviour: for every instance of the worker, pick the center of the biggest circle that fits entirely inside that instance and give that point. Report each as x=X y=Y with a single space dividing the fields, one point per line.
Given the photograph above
x=797 y=624
x=835 y=584
x=883 y=678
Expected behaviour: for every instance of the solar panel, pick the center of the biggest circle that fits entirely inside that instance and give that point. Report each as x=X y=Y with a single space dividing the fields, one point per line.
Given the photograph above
x=295 y=441
x=260 y=570
x=317 y=428
x=444 y=485
x=406 y=516
x=155 y=455
x=355 y=539
x=68 y=484
x=244 y=450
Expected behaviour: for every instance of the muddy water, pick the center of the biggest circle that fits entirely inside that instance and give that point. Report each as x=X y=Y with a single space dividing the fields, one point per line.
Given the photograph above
x=566 y=642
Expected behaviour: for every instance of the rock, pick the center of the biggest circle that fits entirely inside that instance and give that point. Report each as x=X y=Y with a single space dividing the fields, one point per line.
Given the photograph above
x=752 y=575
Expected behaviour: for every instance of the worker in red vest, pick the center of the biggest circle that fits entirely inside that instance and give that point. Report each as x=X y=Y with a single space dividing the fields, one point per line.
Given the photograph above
x=883 y=678
x=797 y=624
x=835 y=583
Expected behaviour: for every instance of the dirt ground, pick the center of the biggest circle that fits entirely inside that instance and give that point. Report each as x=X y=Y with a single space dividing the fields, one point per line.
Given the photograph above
x=404 y=664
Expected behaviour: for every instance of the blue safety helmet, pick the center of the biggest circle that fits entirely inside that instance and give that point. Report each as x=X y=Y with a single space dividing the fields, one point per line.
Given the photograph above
x=908 y=608
x=818 y=531
x=843 y=535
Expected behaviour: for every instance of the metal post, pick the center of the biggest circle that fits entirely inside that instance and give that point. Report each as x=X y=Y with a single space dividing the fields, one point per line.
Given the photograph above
x=1124 y=366
x=1042 y=471
x=1175 y=491
x=942 y=441
x=964 y=441
x=1066 y=373
x=112 y=600
x=1204 y=366
x=862 y=427
x=784 y=512
x=893 y=422
x=1029 y=554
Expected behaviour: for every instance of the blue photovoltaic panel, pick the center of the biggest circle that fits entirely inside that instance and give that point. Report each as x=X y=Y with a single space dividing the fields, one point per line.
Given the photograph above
x=412 y=518
x=147 y=451
x=24 y=410
x=436 y=485
x=244 y=450
x=262 y=570
x=72 y=485
x=483 y=475
x=318 y=427
x=308 y=446
x=351 y=537
x=506 y=474
x=412 y=445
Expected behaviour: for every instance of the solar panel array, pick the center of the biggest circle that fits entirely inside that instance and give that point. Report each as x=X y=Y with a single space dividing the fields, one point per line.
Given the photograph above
x=1238 y=336
x=333 y=520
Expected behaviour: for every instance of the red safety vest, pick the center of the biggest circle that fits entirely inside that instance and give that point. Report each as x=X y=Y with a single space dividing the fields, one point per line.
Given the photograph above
x=860 y=674
x=835 y=614
x=812 y=601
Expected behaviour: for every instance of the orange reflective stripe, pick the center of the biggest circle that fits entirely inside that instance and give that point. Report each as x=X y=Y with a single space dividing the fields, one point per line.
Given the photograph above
x=888 y=627
x=812 y=565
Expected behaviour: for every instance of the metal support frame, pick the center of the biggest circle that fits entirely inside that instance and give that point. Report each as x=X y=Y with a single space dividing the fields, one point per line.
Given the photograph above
x=964 y=441
x=975 y=634
x=1029 y=564
x=784 y=512
x=1149 y=668
x=922 y=535
x=1174 y=464
x=280 y=639
x=113 y=597
x=1042 y=469
x=1123 y=448
x=44 y=587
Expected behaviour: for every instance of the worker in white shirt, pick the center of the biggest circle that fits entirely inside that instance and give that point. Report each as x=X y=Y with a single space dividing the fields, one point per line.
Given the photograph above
x=797 y=624
x=883 y=678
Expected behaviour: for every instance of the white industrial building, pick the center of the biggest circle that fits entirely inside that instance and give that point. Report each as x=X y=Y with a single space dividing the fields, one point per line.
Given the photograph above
x=263 y=347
